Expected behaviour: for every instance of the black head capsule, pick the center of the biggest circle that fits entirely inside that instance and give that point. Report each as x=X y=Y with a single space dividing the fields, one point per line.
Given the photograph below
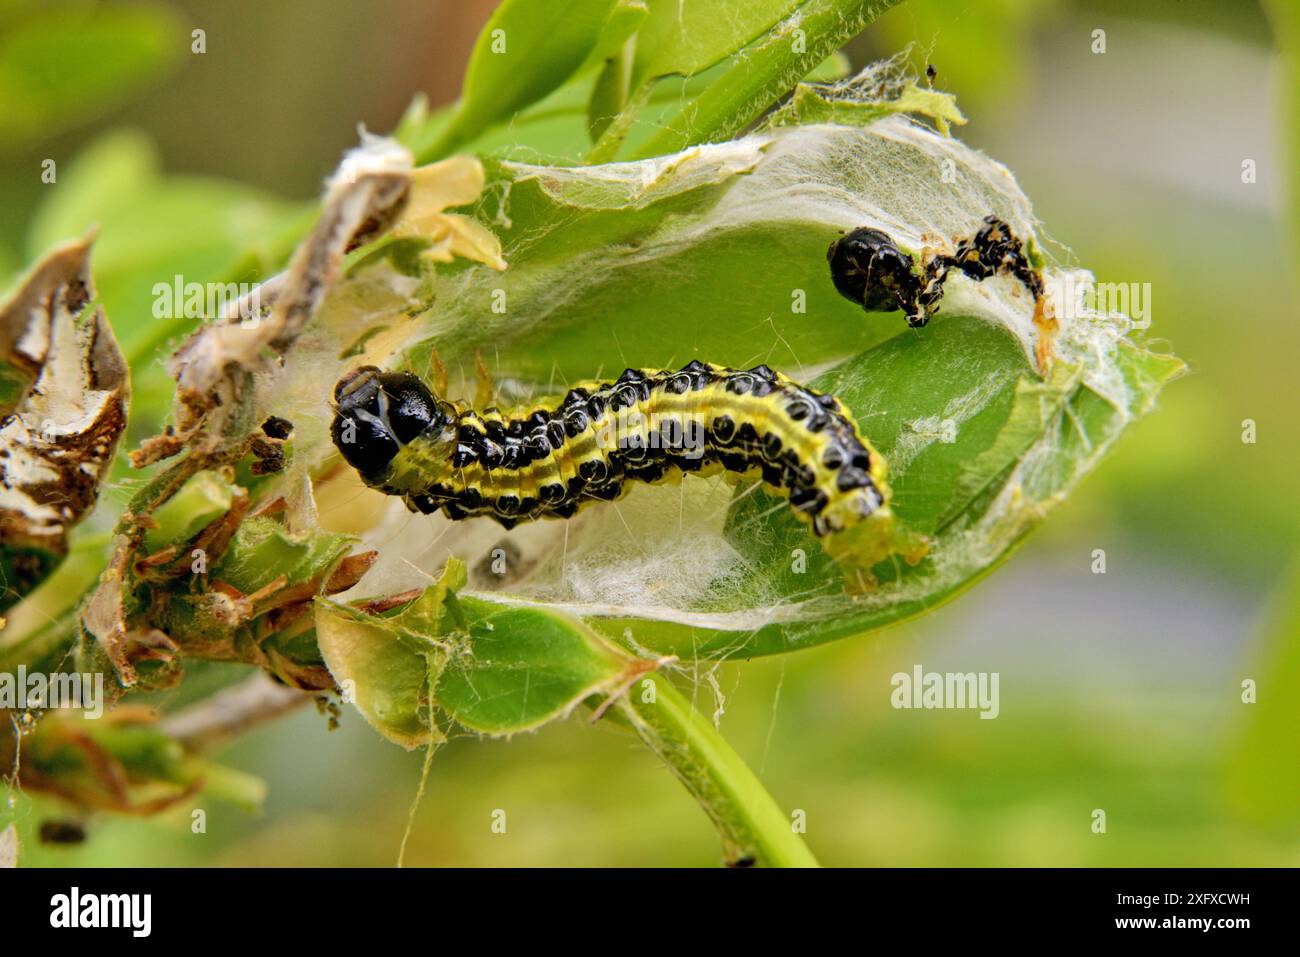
x=377 y=413
x=869 y=269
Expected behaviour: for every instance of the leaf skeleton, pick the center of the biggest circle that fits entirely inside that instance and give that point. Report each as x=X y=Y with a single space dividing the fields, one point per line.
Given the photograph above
x=549 y=460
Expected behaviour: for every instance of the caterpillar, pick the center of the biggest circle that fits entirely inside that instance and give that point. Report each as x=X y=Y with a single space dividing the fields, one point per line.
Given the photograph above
x=868 y=268
x=550 y=460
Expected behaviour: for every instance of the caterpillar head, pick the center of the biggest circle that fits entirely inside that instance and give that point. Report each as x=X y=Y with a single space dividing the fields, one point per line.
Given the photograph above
x=869 y=269
x=378 y=413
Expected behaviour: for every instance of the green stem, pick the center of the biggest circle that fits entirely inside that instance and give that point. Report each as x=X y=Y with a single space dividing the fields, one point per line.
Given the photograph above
x=606 y=148
x=753 y=828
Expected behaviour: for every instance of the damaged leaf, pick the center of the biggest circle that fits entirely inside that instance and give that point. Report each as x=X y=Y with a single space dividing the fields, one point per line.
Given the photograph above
x=236 y=381
x=387 y=665
x=64 y=388
x=216 y=369
x=869 y=96
x=488 y=670
x=255 y=602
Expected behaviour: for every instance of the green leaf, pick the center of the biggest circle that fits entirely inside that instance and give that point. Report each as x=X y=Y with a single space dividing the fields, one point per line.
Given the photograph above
x=764 y=72
x=694 y=39
x=524 y=52
x=382 y=675
x=387 y=666
x=64 y=64
x=523 y=667
x=687 y=36
x=490 y=670
x=557 y=128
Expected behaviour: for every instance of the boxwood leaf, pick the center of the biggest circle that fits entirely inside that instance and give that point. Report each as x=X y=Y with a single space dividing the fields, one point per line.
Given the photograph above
x=486 y=668
x=524 y=52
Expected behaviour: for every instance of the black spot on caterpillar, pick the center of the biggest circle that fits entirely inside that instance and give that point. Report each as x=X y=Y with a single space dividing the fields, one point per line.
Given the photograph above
x=869 y=269
x=549 y=460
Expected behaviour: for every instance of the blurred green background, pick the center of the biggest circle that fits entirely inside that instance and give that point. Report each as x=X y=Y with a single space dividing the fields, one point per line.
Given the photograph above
x=1120 y=691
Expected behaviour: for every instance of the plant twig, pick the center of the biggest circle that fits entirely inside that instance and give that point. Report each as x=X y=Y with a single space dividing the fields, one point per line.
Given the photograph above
x=232 y=712
x=753 y=828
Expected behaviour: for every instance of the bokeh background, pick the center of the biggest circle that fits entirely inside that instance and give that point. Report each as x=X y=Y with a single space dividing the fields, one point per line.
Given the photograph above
x=1119 y=691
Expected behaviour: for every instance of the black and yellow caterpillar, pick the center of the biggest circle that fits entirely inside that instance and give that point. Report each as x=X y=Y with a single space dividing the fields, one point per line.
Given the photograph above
x=549 y=460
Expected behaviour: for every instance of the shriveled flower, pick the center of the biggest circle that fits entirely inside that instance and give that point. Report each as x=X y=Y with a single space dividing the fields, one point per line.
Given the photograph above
x=457 y=181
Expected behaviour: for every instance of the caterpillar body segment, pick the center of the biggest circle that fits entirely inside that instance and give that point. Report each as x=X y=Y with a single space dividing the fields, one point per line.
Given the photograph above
x=550 y=460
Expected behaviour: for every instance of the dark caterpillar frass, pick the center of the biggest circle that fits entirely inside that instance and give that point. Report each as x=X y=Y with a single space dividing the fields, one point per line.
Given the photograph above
x=868 y=268
x=548 y=461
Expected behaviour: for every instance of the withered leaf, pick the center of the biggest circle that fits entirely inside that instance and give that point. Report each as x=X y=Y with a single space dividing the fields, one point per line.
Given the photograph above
x=215 y=368
x=64 y=388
